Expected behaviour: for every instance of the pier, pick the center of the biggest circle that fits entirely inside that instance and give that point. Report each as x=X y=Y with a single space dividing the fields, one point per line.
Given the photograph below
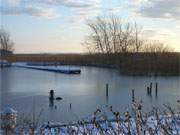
x=4 y=63
x=51 y=69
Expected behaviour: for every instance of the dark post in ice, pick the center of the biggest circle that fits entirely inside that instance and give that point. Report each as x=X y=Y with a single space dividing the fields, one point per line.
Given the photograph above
x=132 y=95
x=150 y=88
x=51 y=95
x=107 y=90
x=156 y=89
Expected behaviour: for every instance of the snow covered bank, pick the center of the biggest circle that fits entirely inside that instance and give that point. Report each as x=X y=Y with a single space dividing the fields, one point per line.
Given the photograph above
x=107 y=121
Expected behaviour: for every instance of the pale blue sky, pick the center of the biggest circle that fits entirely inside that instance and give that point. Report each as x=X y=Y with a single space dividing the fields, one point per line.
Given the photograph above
x=58 y=26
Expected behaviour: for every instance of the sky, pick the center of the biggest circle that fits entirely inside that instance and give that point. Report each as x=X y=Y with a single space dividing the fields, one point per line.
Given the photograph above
x=59 y=26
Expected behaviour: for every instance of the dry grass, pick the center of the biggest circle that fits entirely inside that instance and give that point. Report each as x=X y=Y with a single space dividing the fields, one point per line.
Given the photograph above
x=107 y=121
x=127 y=63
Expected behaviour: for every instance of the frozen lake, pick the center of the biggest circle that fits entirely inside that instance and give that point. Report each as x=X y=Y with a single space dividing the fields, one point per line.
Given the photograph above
x=21 y=87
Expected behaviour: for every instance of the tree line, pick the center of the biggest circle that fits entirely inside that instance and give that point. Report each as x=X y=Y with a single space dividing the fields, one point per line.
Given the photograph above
x=110 y=35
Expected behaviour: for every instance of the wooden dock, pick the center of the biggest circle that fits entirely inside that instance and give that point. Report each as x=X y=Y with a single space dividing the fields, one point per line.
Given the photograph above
x=51 y=69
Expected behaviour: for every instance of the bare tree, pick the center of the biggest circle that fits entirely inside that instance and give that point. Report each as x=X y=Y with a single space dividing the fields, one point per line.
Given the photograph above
x=109 y=35
x=127 y=38
x=6 y=43
x=138 y=41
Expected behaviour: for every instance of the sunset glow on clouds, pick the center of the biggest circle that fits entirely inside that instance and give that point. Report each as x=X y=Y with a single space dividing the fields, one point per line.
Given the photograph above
x=60 y=25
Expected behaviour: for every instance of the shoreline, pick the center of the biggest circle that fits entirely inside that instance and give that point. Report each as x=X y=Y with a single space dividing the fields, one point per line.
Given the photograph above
x=153 y=122
x=130 y=64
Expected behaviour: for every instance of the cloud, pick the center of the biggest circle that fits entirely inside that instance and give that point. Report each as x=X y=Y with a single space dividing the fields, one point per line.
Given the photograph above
x=162 y=34
x=81 y=8
x=165 y=9
x=31 y=11
x=66 y=3
x=13 y=2
x=178 y=27
x=72 y=3
x=79 y=3
x=149 y=33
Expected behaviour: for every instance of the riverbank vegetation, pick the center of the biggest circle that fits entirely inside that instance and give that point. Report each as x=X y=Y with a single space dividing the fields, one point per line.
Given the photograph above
x=124 y=46
x=126 y=63
x=108 y=121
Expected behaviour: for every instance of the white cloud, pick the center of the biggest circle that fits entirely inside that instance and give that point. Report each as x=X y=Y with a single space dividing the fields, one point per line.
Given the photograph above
x=178 y=26
x=168 y=9
x=149 y=33
x=81 y=8
x=31 y=11
x=13 y=2
x=163 y=35
x=67 y=3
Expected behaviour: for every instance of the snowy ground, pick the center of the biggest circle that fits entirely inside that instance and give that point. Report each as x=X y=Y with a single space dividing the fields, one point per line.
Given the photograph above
x=156 y=122
x=151 y=126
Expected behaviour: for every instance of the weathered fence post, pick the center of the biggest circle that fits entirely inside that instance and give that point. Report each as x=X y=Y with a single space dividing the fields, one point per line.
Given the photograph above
x=107 y=90
x=132 y=95
x=148 y=91
x=156 y=88
x=51 y=95
x=150 y=88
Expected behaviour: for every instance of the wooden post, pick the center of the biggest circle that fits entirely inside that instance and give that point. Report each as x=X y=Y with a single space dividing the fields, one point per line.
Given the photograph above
x=151 y=88
x=132 y=95
x=107 y=91
x=51 y=95
x=156 y=89
x=148 y=91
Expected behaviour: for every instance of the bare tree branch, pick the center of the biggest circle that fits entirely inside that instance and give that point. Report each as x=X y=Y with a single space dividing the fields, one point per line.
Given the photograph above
x=5 y=41
x=109 y=35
